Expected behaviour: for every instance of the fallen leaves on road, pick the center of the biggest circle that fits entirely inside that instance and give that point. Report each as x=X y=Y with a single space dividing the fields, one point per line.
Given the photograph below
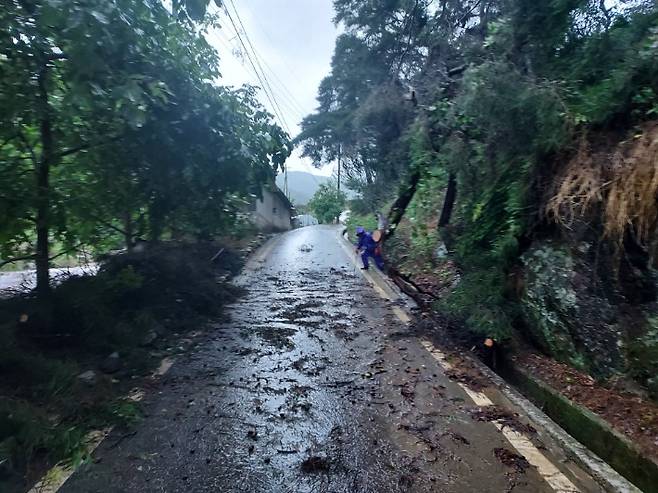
x=470 y=377
x=510 y=459
x=502 y=416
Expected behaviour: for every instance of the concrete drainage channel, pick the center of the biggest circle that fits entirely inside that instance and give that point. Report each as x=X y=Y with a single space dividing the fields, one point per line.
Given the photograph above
x=589 y=429
x=607 y=456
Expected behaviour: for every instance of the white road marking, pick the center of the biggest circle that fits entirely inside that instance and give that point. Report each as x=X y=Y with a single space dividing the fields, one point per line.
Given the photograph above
x=60 y=473
x=546 y=469
x=401 y=314
x=55 y=478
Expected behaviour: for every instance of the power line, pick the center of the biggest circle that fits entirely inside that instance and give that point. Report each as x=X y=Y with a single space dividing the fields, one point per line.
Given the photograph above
x=293 y=104
x=256 y=57
x=267 y=82
x=285 y=102
x=224 y=41
x=287 y=97
x=288 y=67
x=290 y=99
x=253 y=66
x=271 y=42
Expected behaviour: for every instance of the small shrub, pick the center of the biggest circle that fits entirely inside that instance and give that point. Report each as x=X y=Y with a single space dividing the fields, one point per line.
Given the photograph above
x=643 y=354
x=26 y=431
x=367 y=221
x=479 y=302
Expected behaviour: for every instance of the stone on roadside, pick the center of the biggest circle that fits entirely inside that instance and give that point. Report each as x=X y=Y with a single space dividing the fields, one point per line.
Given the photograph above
x=88 y=377
x=149 y=338
x=112 y=363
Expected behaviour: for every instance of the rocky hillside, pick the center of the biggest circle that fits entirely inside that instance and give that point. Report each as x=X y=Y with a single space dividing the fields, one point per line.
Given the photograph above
x=589 y=285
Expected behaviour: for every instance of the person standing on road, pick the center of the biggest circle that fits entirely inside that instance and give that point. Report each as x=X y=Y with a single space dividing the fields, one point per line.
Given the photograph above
x=367 y=246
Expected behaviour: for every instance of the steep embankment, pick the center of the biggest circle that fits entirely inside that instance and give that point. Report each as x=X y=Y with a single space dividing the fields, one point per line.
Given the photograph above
x=575 y=306
x=589 y=284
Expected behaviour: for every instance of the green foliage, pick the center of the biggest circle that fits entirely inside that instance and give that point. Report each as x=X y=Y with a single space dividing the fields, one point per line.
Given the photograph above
x=614 y=73
x=368 y=221
x=503 y=89
x=478 y=300
x=510 y=114
x=167 y=289
x=327 y=203
x=422 y=212
x=129 y=136
x=26 y=430
x=36 y=375
x=361 y=117
x=120 y=411
x=643 y=354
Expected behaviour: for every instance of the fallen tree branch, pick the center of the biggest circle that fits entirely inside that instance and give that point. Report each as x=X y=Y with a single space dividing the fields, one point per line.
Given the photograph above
x=221 y=250
x=457 y=70
x=411 y=289
x=67 y=251
x=88 y=145
x=32 y=256
x=17 y=259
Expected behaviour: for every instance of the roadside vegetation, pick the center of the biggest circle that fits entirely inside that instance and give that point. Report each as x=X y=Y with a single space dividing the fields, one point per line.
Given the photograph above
x=327 y=203
x=116 y=140
x=518 y=141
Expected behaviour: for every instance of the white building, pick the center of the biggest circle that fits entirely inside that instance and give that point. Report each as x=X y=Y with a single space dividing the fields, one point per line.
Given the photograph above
x=304 y=220
x=273 y=212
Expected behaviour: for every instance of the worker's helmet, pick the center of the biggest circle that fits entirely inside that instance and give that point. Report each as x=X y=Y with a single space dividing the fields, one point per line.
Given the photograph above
x=360 y=230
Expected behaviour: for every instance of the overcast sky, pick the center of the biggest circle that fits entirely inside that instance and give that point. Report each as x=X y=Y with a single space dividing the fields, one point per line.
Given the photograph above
x=294 y=40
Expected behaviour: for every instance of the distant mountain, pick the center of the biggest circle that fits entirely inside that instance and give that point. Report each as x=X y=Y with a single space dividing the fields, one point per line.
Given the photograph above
x=301 y=185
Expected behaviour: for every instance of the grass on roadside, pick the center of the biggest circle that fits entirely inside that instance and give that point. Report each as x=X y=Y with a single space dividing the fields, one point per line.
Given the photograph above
x=134 y=305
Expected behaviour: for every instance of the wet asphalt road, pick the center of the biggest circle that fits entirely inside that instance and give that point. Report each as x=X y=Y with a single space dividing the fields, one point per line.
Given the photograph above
x=313 y=386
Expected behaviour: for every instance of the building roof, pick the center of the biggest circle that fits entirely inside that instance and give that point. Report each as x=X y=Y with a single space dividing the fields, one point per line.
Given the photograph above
x=277 y=191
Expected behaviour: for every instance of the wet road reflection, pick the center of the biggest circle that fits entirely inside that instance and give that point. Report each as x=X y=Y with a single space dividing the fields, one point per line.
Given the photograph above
x=312 y=386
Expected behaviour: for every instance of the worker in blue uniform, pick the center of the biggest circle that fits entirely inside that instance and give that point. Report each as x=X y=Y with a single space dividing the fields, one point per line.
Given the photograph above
x=368 y=248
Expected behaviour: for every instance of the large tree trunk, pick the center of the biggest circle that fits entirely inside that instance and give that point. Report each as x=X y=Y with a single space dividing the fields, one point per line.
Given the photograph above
x=448 y=201
x=400 y=205
x=42 y=172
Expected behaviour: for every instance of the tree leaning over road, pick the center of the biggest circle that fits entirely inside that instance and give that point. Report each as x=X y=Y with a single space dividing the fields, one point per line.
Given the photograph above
x=114 y=129
x=491 y=129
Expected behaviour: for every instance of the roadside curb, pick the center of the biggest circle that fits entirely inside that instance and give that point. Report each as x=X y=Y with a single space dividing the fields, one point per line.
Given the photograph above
x=589 y=462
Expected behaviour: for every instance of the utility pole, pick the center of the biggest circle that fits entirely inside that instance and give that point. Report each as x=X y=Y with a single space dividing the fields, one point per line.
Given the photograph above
x=285 y=181
x=339 y=167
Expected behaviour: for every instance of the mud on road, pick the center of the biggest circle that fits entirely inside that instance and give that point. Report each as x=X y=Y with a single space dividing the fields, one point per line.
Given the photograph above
x=313 y=386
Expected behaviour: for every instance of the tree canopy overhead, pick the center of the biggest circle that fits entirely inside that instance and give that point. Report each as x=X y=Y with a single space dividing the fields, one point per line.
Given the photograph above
x=407 y=65
x=114 y=124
